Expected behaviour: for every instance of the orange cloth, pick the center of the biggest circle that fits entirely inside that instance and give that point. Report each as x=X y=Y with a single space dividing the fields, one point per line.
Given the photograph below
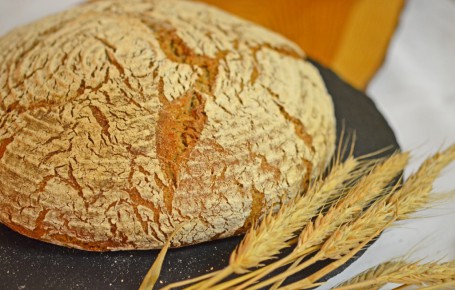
x=349 y=36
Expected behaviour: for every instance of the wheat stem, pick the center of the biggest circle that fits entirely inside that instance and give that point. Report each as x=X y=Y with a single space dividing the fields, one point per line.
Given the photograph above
x=295 y=264
x=286 y=274
x=309 y=281
x=372 y=276
x=222 y=274
x=189 y=281
x=445 y=285
x=398 y=204
x=265 y=241
x=319 y=256
x=153 y=273
x=354 y=226
x=259 y=273
x=401 y=287
x=352 y=203
x=367 y=189
x=331 y=186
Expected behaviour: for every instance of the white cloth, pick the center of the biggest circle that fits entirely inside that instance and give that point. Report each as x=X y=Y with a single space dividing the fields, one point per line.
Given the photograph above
x=414 y=90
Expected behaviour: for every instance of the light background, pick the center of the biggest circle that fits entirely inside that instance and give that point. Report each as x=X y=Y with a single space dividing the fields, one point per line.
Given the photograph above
x=415 y=90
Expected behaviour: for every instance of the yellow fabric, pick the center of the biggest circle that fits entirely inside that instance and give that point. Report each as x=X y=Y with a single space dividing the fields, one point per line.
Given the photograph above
x=349 y=36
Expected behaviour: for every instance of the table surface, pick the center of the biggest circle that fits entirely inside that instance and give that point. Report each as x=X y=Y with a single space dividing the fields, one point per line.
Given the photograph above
x=414 y=90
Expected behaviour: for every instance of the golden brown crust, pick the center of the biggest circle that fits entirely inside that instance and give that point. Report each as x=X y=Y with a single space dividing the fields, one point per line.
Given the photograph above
x=120 y=121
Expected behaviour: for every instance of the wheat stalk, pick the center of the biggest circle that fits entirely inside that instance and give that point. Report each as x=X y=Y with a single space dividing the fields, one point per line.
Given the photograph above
x=420 y=183
x=303 y=284
x=348 y=208
x=367 y=190
x=446 y=285
x=265 y=241
x=348 y=238
x=411 y=197
x=303 y=210
x=335 y=185
x=404 y=273
x=153 y=273
x=399 y=204
x=375 y=273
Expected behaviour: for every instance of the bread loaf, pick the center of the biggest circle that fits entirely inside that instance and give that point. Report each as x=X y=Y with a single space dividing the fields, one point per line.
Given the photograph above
x=124 y=120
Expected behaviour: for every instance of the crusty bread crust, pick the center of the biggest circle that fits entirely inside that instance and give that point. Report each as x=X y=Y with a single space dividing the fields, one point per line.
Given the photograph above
x=122 y=120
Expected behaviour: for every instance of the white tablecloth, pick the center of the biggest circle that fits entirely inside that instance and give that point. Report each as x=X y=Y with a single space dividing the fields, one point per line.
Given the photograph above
x=414 y=90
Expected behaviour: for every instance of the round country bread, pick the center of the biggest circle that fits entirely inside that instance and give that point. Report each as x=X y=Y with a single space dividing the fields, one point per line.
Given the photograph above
x=121 y=121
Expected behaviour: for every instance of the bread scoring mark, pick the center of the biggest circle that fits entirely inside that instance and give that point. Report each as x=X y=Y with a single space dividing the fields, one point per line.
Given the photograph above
x=4 y=144
x=287 y=51
x=113 y=60
x=181 y=121
x=161 y=96
x=138 y=200
x=269 y=168
x=180 y=124
x=281 y=50
x=40 y=228
x=254 y=75
x=101 y=120
x=168 y=192
x=298 y=127
x=176 y=50
x=308 y=175
x=258 y=206
x=43 y=183
x=54 y=153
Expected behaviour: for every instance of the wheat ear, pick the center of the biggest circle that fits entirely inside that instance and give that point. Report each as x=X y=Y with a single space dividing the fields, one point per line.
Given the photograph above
x=414 y=195
x=348 y=208
x=403 y=273
x=375 y=273
x=364 y=192
x=265 y=241
x=296 y=215
x=399 y=204
x=367 y=190
x=317 y=257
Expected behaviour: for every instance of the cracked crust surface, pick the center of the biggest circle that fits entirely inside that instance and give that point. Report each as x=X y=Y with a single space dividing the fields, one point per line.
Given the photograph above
x=121 y=121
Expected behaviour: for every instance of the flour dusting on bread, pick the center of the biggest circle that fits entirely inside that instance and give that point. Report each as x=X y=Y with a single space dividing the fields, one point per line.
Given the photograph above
x=121 y=120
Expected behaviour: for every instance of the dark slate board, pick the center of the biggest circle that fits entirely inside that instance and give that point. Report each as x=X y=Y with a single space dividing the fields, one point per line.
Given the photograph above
x=30 y=264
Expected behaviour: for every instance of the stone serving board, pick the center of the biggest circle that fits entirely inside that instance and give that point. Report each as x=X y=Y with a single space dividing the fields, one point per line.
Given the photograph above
x=29 y=264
